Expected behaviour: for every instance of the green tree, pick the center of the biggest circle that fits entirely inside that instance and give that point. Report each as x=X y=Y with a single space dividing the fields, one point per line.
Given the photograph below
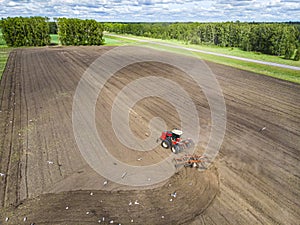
x=26 y=31
x=269 y=38
x=297 y=55
x=80 y=32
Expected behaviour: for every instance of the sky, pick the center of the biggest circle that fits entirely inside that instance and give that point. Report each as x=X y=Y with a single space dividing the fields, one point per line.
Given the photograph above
x=157 y=10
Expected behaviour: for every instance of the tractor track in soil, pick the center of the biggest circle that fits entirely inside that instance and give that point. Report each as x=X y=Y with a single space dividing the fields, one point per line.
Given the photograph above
x=254 y=180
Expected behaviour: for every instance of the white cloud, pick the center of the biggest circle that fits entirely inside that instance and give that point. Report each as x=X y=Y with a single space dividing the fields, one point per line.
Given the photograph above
x=157 y=10
x=12 y=4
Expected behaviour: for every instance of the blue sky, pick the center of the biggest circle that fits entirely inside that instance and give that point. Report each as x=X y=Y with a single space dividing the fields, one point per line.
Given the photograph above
x=157 y=10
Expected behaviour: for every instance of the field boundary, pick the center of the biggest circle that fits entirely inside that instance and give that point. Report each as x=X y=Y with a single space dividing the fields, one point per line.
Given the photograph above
x=206 y=52
x=4 y=54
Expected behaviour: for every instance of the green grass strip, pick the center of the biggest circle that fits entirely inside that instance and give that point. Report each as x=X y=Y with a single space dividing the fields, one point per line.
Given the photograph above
x=222 y=50
x=4 y=53
x=277 y=72
x=54 y=39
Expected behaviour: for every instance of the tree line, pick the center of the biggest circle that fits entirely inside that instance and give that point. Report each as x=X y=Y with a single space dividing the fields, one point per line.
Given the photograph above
x=279 y=39
x=35 y=31
x=79 y=32
x=25 y=31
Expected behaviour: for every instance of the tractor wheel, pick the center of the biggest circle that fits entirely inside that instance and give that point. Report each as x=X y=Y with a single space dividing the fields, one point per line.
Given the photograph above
x=165 y=144
x=189 y=143
x=175 y=149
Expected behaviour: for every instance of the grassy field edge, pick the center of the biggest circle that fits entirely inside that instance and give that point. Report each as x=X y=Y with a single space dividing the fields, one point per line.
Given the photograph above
x=4 y=53
x=216 y=49
x=276 y=72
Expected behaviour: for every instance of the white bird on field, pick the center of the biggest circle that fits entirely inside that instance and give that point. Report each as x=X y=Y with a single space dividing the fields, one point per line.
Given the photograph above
x=262 y=129
x=136 y=202
x=123 y=175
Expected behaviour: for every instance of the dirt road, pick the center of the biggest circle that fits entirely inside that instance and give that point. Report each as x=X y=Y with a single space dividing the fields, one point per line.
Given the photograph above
x=205 y=52
x=45 y=179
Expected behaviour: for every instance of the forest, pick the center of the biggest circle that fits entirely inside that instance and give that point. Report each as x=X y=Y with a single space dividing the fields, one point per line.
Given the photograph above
x=281 y=39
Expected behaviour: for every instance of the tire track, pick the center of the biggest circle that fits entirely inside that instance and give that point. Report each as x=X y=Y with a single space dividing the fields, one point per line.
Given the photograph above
x=36 y=161
x=26 y=124
x=9 y=193
x=18 y=103
x=5 y=106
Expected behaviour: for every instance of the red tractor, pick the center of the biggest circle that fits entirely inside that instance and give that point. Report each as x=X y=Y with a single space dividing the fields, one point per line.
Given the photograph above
x=172 y=139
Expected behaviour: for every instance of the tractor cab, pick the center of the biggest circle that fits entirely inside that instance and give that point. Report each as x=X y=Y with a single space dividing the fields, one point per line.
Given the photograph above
x=176 y=135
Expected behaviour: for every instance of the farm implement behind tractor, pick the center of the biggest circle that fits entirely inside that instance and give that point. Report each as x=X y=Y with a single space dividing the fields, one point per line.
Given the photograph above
x=195 y=161
x=172 y=139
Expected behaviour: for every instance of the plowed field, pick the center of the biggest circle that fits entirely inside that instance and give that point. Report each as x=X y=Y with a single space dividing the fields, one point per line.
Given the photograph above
x=254 y=180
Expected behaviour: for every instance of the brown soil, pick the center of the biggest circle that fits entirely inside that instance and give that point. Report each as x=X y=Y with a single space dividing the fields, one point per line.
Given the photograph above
x=255 y=179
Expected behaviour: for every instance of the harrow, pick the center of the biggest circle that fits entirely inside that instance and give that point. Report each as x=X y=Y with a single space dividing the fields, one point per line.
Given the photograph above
x=196 y=161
